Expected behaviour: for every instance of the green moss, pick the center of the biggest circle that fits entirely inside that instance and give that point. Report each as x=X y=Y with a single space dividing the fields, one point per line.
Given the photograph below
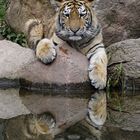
x=5 y=30
x=9 y=34
x=116 y=88
x=115 y=78
x=2 y=9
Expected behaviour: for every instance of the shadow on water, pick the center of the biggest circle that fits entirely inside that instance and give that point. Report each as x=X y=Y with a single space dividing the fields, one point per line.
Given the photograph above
x=30 y=115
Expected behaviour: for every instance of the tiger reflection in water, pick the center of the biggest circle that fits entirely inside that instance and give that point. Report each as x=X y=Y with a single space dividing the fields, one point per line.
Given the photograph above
x=45 y=125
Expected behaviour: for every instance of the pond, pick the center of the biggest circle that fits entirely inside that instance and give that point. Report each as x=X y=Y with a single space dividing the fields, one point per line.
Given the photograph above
x=41 y=115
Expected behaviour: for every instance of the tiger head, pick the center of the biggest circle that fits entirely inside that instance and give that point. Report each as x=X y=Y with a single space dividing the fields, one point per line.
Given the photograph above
x=76 y=20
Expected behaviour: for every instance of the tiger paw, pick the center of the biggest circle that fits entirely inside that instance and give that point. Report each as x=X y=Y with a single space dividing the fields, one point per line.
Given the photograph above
x=98 y=75
x=45 y=51
x=45 y=123
x=97 y=112
x=39 y=124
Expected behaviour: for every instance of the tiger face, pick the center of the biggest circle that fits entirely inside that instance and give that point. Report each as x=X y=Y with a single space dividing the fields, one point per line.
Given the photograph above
x=76 y=20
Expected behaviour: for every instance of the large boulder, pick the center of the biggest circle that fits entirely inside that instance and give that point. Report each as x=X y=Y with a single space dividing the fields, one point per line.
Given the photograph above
x=120 y=19
x=124 y=63
x=20 y=11
x=21 y=65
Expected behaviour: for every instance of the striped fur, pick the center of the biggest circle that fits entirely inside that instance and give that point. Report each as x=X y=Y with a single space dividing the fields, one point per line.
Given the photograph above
x=75 y=22
x=97 y=111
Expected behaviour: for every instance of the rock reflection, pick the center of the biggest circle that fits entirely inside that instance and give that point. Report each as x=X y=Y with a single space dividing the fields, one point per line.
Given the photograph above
x=58 y=117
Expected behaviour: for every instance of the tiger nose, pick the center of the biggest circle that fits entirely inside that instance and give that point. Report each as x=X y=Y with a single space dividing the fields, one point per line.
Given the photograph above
x=74 y=20
x=75 y=29
x=74 y=25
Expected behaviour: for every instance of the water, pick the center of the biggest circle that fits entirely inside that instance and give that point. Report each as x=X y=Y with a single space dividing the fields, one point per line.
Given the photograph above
x=28 y=115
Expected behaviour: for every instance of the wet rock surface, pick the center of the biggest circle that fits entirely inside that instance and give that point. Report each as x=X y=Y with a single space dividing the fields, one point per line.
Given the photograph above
x=124 y=57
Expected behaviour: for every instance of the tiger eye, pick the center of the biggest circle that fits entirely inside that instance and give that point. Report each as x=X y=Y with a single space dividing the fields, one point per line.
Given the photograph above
x=82 y=11
x=66 y=11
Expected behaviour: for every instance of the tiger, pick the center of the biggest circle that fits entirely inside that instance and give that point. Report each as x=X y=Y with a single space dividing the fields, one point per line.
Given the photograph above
x=76 y=24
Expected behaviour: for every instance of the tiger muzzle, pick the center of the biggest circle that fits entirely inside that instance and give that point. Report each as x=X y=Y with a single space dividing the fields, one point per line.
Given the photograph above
x=74 y=21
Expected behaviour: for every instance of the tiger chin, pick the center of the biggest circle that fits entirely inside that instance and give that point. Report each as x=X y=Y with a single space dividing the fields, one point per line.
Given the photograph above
x=75 y=23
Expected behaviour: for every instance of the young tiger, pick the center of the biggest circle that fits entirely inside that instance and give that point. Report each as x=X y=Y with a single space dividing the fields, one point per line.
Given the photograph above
x=75 y=22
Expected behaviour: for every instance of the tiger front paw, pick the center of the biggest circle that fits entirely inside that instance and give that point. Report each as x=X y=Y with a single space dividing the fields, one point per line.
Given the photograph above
x=45 y=51
x=98 y=75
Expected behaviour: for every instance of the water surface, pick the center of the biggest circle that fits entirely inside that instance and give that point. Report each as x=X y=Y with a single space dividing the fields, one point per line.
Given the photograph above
x=28 y=115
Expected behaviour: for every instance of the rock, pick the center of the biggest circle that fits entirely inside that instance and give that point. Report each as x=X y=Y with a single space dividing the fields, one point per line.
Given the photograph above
x=21 y=64
x=20 y=67
x=124 y=123
x=20 y=11
x=17 y=105
x=124 y=63
x=68 y=108
x=120 y=19
x=11 y=105
x=65 y=107
x=1 y=129
x=1 y=37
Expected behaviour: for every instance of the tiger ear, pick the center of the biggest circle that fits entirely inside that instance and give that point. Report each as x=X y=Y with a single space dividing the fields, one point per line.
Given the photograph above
x=56 y=4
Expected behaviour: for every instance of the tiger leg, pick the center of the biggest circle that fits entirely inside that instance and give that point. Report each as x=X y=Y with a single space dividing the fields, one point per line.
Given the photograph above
x=98 y=67
x=44 y=48
x=33 y=32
